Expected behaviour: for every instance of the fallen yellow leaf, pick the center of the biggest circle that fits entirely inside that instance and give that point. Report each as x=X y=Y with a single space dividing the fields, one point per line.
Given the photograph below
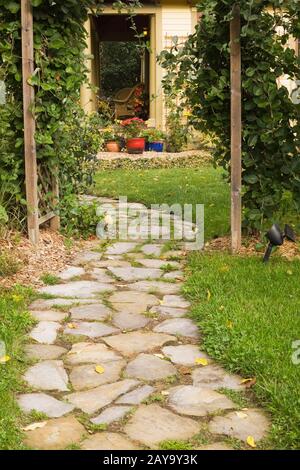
x=208 y=295
x=229 y=324
x=251 y=441
x=224 y=269
x=289 y=272
x=4 y=359
x=221 y=308
x=71 y=326
x=99 y=369
x=249 y=382
x=201 y=361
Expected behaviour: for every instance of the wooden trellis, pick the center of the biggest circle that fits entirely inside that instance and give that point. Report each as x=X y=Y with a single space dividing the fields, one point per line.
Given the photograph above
x=36 y=188
x=34 y=195
x=236 y=130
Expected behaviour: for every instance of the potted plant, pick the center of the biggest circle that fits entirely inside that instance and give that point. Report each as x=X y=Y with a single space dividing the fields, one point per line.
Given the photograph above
x=111 y=139
x=155 y=139
x=134 y=132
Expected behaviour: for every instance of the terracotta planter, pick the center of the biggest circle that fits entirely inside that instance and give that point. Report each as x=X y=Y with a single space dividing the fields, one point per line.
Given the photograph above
x=112 y=146
x=136 y=145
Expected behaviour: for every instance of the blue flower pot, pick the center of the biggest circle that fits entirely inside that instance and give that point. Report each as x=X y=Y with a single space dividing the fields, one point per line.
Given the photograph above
x=156 y=146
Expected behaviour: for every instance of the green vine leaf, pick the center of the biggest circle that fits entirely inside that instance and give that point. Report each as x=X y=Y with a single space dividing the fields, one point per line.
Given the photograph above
x=13 y=7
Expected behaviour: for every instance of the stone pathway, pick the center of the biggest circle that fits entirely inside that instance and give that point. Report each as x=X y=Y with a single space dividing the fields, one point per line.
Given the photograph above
x=115 y=362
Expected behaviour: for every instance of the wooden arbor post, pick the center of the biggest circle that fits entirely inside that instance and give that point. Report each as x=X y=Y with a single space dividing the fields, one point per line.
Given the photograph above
x=236 y=130
x=31 y=178
x=31 y=169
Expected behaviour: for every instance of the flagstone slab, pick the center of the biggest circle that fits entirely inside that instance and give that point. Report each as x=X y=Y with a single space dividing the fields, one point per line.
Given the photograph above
x=121 y=248
x=158 y=263
x=101 y=275
x=48 y=315
x=93 y=400
x=45 y=332
x=120 y=263
x=175 y=301
x=77 y=289
x=57 y=434
x=137 y=342
x=215 y=377
x=86 y=377
x=152 y=249
x=87 y=257
x=185 y=354
x=215 y=446
x=42 y=304
x=71 y=272
x=126 y=321
x=152 y=424
x=137 y=396
x=47 y=375
x=178 y=326
x=44 y=404
x=172 y=254
x=149 y=367
x=169 y=311
x=162 y=288
x=85 y=353
x=108 y=441
x=92 y=312
x=90 y=329
x=107 y=200
x=132 y=301
x=44 y=352
x=195 y=401
x=174 y=275
x=241 y=424
x=135 y=274
x=111 y=414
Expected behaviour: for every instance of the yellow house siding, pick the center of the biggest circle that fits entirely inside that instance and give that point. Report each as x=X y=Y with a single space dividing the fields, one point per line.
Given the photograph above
x=177 y=21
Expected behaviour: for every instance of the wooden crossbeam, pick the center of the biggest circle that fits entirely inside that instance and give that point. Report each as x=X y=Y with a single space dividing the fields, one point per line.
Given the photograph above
x=29 y=122
x=236 y=130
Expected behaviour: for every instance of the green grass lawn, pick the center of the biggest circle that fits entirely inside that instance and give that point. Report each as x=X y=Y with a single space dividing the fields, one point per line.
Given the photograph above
x=252 y=317
x=176 y=185
x=14 y=323
x=249 y=323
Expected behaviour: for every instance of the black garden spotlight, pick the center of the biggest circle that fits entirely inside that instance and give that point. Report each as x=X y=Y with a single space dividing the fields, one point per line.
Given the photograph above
x=276 y=238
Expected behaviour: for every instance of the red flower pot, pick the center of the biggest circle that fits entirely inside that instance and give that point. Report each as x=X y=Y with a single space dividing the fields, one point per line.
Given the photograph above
x=136 y=145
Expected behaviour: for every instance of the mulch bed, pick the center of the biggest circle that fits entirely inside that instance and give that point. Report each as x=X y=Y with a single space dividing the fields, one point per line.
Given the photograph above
x=50 y=255
x=288 y=250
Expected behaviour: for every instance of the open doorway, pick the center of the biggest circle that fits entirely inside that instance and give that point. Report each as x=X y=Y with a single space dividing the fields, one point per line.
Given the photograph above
x=124 y=63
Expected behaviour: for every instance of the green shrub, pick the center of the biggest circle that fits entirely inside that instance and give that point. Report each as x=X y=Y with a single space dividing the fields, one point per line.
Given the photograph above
x=8 y=266
x=79 y=219
x=198 y=73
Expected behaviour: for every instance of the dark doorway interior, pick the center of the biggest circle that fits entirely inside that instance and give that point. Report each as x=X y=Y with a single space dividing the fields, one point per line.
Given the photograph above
x=124 y=57
x=120 y=66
